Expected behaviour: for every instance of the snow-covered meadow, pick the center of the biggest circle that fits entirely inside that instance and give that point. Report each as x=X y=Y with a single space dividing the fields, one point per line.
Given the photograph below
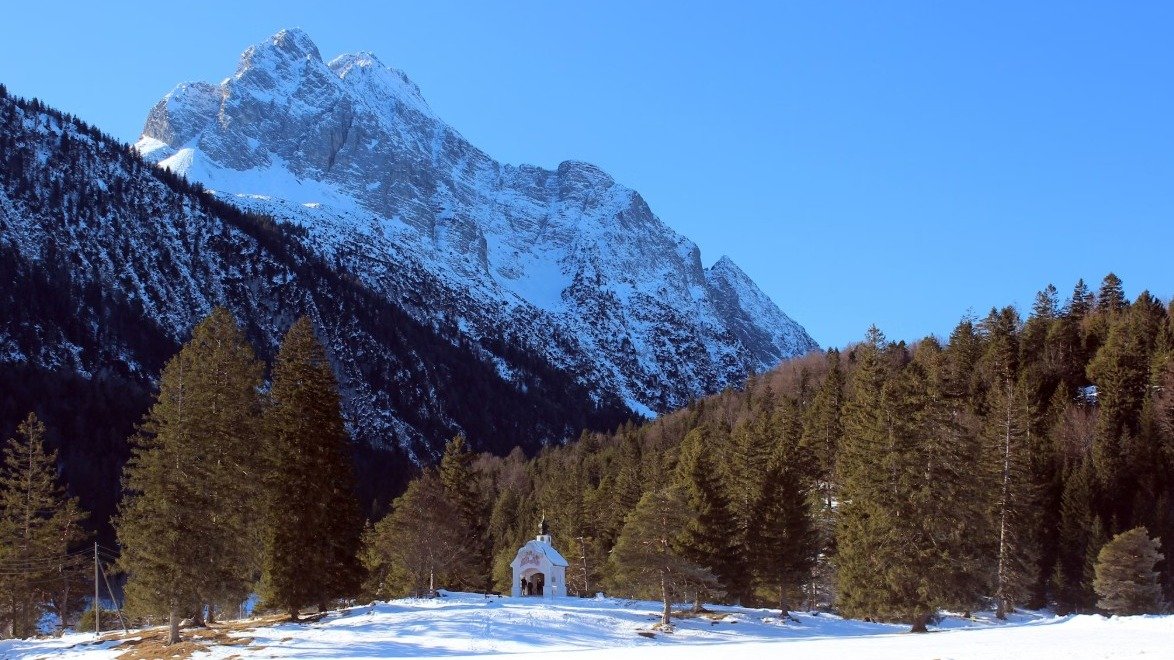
x=465 y=625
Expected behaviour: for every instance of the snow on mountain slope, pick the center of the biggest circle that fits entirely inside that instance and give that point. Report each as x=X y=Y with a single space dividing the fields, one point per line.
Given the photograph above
x=566 y=262
x=106 y=264
x=469 y=625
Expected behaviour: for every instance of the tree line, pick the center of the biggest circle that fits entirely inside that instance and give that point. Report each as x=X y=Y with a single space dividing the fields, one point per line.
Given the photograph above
x=1019 y=463
x=887 y=481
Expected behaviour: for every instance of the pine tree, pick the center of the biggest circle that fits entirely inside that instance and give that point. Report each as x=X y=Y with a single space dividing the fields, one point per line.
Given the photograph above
x=784 y=539
x=39 y=526
x=1076 y=528
x=648 y=561
x=314 y=527
x=473 y=514
x=413 y=549
x=908 y=513
x=186 y=522
x=1081 y=302
x=1126 y=582
x=749 y=445
x=1121 y=371
x=708 y=538
x=860 y=467
x=1008 y=453
x=1111 y=297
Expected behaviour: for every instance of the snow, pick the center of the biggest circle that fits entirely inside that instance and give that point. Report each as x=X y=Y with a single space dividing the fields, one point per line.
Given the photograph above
x=469 y=625
x=566 y=261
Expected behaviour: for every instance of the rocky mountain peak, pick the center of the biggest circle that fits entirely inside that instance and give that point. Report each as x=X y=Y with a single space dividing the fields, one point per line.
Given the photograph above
x=288 y=44
x=351 y=151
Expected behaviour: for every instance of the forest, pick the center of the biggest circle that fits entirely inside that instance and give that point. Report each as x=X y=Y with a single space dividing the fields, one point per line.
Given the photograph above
x=1017 y=464
x=884 y=481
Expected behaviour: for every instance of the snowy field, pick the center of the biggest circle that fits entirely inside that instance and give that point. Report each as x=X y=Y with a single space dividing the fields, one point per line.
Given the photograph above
x=462 y=625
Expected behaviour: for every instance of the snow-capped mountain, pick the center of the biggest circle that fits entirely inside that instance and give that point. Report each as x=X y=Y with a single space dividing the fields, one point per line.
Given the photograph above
x=565 y=263
x=107 y=262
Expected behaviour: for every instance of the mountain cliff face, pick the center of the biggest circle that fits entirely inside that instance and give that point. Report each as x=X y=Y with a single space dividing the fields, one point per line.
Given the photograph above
x=565 y=264
x=107 y=262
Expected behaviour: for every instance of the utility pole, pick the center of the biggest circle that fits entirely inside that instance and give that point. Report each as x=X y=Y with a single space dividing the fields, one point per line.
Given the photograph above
x=97 y=604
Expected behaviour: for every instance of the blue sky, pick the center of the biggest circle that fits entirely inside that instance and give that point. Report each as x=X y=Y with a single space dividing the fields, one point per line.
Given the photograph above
x=894 y=163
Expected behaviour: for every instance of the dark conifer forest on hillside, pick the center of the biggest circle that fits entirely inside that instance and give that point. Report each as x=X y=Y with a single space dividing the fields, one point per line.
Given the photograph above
x=886 y=480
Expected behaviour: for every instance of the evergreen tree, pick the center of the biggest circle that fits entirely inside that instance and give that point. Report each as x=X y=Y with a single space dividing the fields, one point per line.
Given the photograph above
x=186 y=522
x=1082 y=301
x=784 y=539
x=457 y=475
x=708 y=538
x=413 y=549
x=1016 y=496
x=39 y=527
x=1111 y=297
x=1126 y=582
x=954 y=513
x=861 y=470
x=1121 y=371
x=905 y=546
x=648 y=561
x=314 y=527
x=1008 y=453
x=1076 y=528
x=823 y=426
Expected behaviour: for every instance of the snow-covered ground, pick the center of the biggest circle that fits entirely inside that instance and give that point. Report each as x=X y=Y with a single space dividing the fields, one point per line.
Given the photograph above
x=462 y=625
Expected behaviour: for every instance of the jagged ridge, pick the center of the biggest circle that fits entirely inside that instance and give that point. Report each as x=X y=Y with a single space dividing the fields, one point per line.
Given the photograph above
x=566 y=262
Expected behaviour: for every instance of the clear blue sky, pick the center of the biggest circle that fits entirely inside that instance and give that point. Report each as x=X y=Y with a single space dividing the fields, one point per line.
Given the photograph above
x=893 y=163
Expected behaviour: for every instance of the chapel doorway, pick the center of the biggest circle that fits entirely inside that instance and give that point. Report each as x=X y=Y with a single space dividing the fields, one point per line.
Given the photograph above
x=533 y=584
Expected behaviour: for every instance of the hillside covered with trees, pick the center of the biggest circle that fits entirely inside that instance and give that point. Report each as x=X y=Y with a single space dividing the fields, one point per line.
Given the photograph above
x=1019 y=463
x=887 y=480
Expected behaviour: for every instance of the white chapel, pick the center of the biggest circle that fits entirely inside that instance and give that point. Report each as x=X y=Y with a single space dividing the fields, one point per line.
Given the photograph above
x=539 y=570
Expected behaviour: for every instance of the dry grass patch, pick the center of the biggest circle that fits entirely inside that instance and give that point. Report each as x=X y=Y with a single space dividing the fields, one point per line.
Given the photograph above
x=152 y=643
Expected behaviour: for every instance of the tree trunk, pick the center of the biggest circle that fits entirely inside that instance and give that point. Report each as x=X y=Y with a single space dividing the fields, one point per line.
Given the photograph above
x=664 y=596
x=784 y=610
x=697 y=602
x=920 y=619
x=322 y=607
x=173 y=627
x=293 y=614
x=211 y=615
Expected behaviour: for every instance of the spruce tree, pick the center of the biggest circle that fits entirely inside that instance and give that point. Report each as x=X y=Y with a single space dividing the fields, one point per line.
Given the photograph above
x=1111 y=297
x=186 y=521
x=862 y=475
x=39 y=526
x=906 y=524
x=750 y=443
x=823 y=429
x=709 y=536
x=412 y=551
x=1126 y=582
x=1121 y=371
x=648 y=560
x=1008 y=453
x=314 y=526
x=784 y=539
x=1076 y=528
x=456 y=473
